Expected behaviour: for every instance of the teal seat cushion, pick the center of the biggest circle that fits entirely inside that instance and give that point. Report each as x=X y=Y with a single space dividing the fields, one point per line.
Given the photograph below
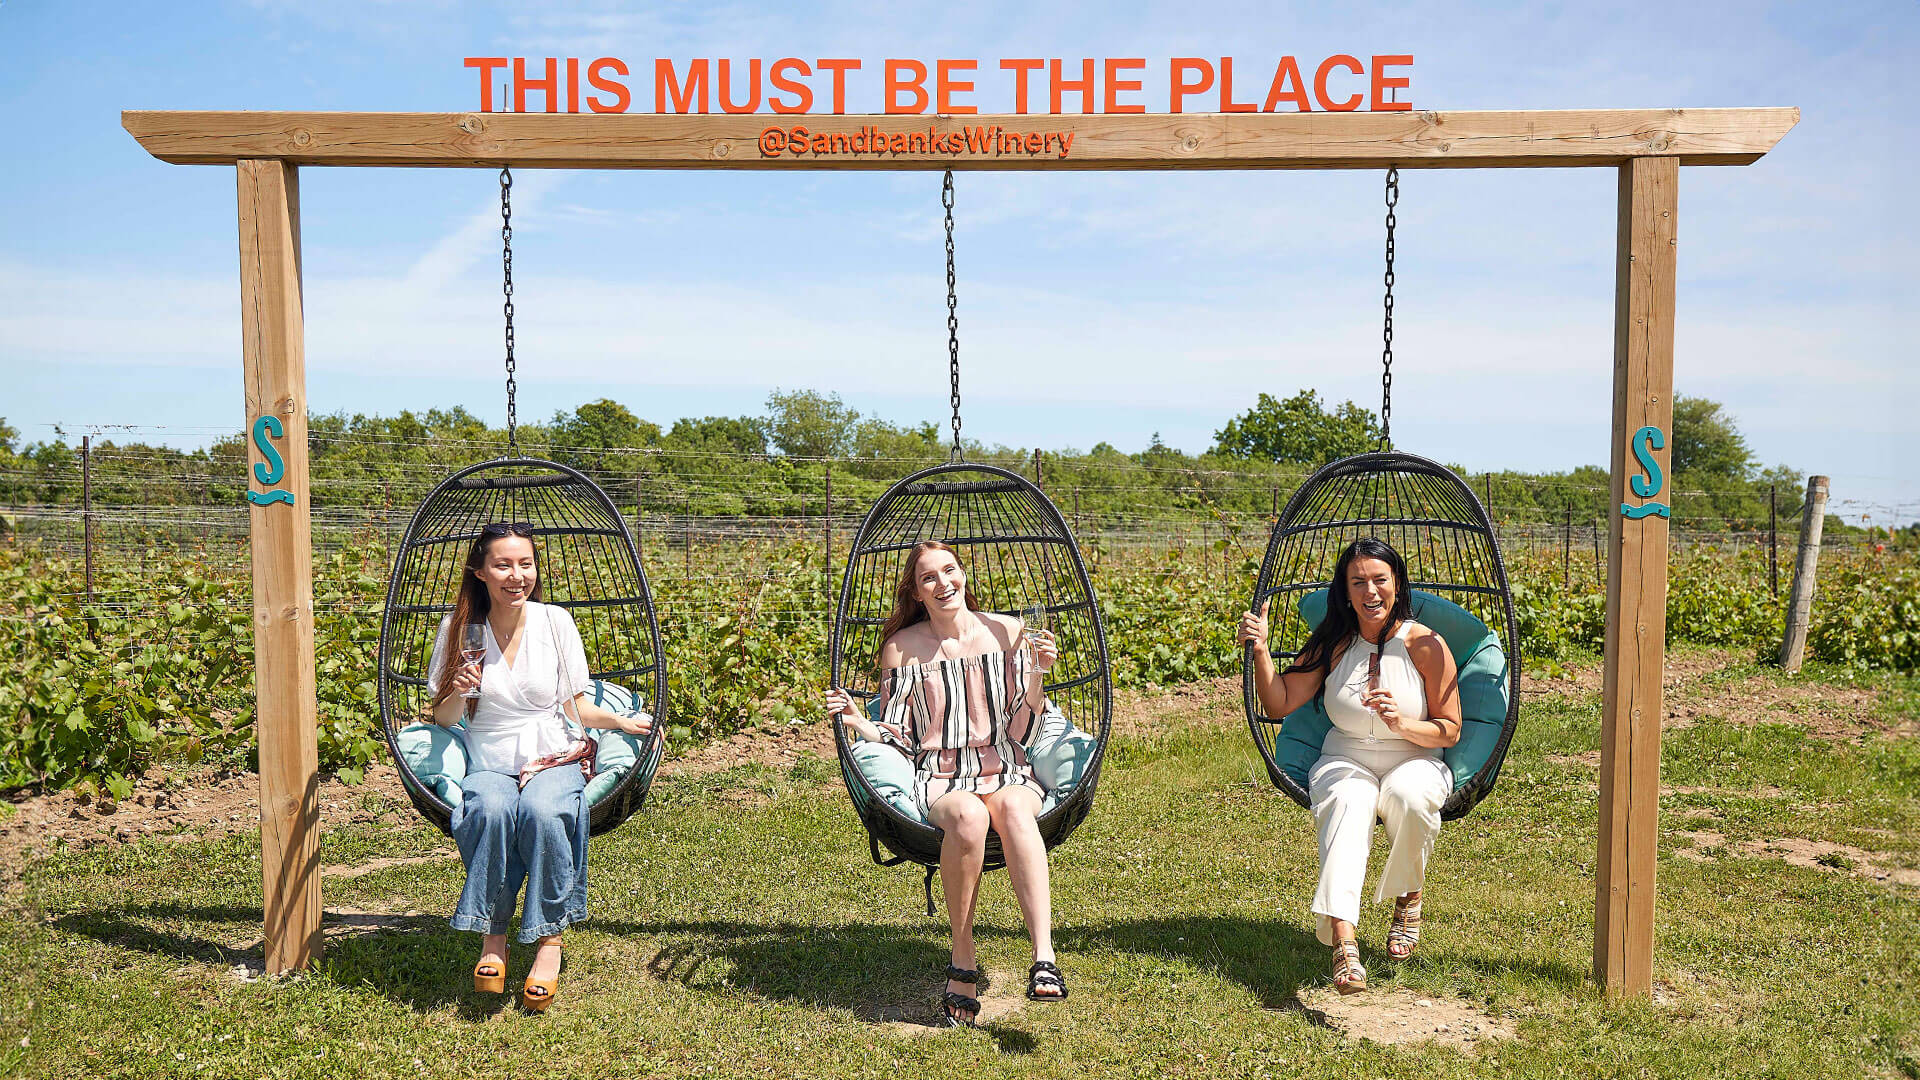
x=437 y=756
x=1484 y=683
x=617 y=753
x=1059 y=759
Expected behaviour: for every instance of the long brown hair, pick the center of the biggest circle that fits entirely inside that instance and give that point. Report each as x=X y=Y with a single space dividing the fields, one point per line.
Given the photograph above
x=907 y=608
x=473 y=604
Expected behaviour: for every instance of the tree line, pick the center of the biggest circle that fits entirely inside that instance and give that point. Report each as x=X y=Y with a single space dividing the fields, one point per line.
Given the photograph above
x=780 y=463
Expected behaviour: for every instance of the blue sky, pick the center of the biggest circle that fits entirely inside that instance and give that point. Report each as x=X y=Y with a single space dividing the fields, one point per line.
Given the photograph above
x=1093 y=305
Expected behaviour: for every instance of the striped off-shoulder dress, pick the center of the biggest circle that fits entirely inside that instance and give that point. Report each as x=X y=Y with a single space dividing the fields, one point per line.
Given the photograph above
x=965 y=723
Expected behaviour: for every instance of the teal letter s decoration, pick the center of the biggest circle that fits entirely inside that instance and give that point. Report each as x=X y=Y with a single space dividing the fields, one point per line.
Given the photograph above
x=1643 y=443
x=270 y=471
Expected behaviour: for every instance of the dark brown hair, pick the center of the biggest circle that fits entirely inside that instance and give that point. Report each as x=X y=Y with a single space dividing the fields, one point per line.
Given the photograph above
x=473 y=604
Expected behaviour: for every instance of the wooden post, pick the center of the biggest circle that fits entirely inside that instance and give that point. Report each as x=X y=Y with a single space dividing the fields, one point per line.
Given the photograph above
x=1596 y=549
x=829 y=523
x=1037 y=480
x=1566 y=551
x=639 y=518
x=1813 y=519
x=1773 y=537
x=1486 y=481
x=86 y=522
x=1637 y=585
x=273 y=348
x=686 y=539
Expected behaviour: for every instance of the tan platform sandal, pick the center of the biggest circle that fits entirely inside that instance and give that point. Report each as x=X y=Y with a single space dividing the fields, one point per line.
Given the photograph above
x=1348 y=976
x=1404 y=934
x=537 y=994
x=490 y=977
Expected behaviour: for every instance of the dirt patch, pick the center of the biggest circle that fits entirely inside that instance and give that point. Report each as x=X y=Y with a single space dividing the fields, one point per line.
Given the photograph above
x=1822 y=855
x=180 y=804
x=1839 y=858
x=1691 y=693
x=998 y=1001
x=347 y=873
x=1397 y=1017
x=1587 y=758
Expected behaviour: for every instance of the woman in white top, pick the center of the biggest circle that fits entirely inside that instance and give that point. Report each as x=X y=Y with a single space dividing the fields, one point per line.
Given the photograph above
x=514 y=823
x=1392 y=691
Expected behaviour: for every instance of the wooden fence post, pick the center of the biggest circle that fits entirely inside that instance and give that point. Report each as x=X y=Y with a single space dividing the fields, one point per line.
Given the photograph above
x=1038 y=481
x=86 y=523
x=686 y=538
x=1813 y=518
x=1637 y=579
x=273 y=349
x=1773 y=537
x=829 y=523
x=1566 y=551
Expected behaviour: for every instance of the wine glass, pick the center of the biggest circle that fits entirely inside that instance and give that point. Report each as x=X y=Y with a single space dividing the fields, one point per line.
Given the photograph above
x=473 y=650
x=1034 y=615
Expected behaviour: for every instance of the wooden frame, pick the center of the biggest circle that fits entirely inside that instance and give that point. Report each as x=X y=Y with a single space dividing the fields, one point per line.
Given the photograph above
x=1647 y=146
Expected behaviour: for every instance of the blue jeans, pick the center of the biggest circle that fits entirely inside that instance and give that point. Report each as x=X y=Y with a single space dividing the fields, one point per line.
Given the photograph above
x=509 y=835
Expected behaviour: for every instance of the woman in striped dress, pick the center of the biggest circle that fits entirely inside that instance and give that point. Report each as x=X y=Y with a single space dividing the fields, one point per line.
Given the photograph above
x=961 y=695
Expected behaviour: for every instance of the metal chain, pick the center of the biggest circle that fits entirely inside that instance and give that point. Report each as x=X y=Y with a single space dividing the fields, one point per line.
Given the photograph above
x=506 y=290
x=953 y=318
x=1386 y=329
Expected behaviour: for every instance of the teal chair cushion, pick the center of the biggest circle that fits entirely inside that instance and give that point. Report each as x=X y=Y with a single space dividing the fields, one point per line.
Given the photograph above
x=1059 y=759
x=437 y=756
x=617 y=753
x=1484 y=683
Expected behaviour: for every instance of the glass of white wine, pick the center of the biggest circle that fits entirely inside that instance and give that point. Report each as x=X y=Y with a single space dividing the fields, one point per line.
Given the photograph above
x=1034 y=615
x=473 y=650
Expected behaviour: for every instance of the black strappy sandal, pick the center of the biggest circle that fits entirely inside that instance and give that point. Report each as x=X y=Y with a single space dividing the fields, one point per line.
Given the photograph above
x=957 y=1003
x=1043 y=973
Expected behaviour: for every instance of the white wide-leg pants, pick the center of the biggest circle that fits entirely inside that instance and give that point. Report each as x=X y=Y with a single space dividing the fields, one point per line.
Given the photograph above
x=1352 y=783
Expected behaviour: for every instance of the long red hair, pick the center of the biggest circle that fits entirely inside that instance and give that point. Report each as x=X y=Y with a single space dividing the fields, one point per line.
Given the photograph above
x=473 y=604
x=907 y=608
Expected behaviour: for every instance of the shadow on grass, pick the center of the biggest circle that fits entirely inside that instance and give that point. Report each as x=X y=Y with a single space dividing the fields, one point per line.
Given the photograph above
x=881 y=974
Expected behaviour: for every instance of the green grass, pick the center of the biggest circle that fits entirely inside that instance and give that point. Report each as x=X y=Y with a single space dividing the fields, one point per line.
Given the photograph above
x=739 y=929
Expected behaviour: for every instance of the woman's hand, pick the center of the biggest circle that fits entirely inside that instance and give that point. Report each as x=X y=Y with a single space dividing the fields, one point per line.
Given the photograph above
x=465 y=678
x=1382 y=703
x=839 y=704
x=1253 y=628
x=1046 y=651
x=640 y=724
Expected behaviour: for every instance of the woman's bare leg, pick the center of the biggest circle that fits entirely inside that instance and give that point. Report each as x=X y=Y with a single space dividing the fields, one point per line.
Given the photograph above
x=1013 y=811
x=962 y=819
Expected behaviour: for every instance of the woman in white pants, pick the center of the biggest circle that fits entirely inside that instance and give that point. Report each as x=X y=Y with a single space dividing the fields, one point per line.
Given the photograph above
x=1392 y=692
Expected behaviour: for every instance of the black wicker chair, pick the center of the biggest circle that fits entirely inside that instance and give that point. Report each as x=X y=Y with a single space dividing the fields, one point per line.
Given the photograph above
x=1016 y=549
x=588 y=565
x=1433 y=519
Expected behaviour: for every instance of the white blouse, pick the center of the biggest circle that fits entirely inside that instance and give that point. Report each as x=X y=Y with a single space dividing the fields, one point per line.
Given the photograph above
x=519 y=715
x=1347 y=683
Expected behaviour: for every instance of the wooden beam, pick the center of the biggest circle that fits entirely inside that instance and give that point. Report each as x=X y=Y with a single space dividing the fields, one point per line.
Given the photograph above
x=1631 y=708
x=274 y=351
x=1355 y=140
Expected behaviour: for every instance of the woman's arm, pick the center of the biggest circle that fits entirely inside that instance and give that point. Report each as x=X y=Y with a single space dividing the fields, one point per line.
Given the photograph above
x=1434 y=661
x=1279 y=694
x=595 y=716
x=1046 y=653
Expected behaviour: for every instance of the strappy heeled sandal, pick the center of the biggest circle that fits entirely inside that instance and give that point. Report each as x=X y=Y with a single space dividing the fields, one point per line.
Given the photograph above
x=1348 y=976
x=537 y=994
x=490 y=977
x=955 y=1003
x=1044 y=975
x=1404 y=934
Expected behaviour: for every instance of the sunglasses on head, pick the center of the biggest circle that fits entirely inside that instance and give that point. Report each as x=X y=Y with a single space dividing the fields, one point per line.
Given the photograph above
x=507 y=528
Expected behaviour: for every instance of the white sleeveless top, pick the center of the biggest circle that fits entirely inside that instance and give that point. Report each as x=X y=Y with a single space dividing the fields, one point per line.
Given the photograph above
x=520 y=716
x=1347 y=683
